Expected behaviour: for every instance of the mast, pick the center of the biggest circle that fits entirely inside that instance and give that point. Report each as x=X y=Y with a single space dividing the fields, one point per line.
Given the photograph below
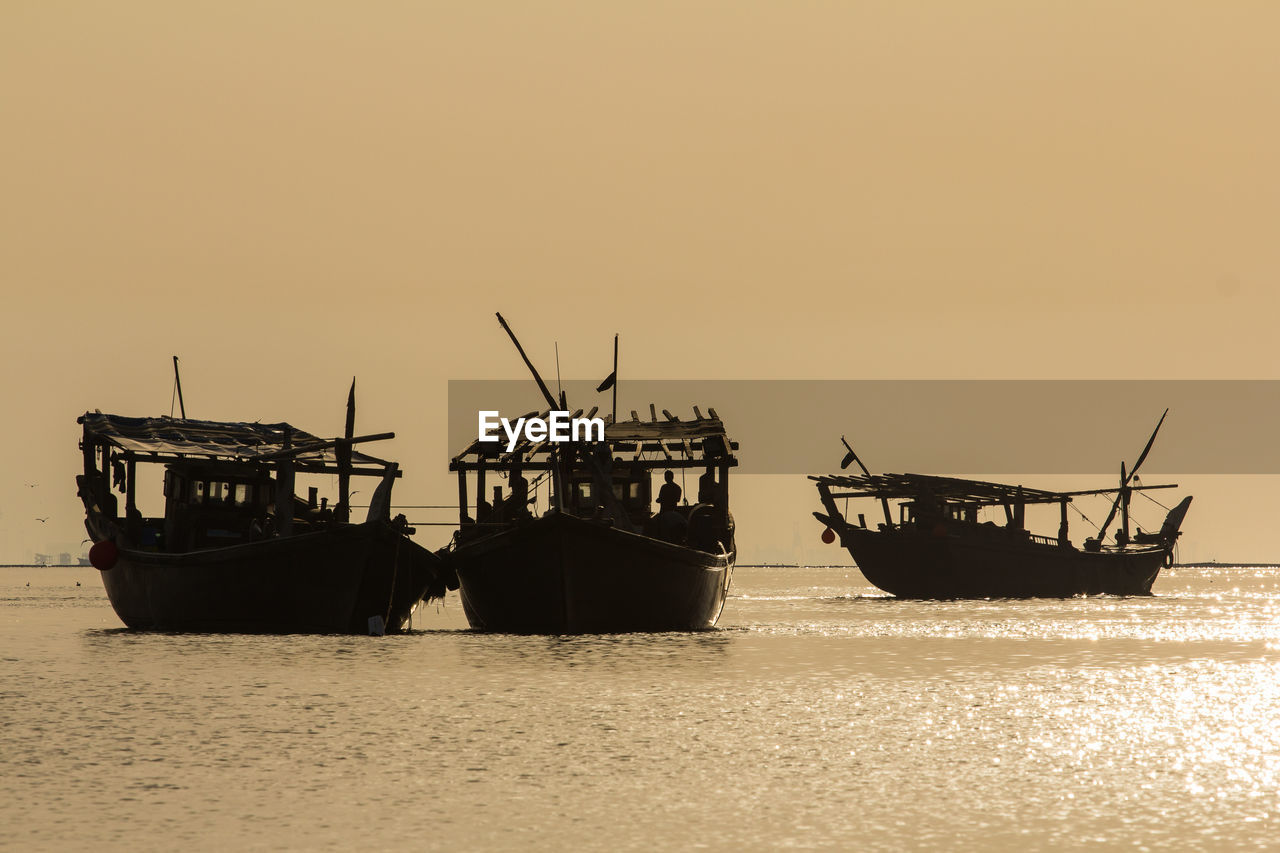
x=342 y=450
x=177 y=378
x=611 y=381
x=542 y=386
x=557 y=474
x=853 y=457
x=1122 y=494
x=559 y=465
x=1123 y=497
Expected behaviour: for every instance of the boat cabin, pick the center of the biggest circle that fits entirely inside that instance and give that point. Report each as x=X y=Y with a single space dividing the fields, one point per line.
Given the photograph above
x=612 y=481
x=630 y=484
x=224 y=483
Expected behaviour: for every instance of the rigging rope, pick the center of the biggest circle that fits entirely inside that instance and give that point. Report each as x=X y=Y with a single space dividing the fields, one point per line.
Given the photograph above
x=533 y=489
x=1154 y=501
x=1138 y=480
x=1082 y=515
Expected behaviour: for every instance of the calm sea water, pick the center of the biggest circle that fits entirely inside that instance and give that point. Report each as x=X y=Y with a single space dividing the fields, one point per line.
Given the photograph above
x=820 y=715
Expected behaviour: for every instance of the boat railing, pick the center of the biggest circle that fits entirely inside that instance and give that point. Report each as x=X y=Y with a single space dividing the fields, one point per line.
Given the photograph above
x=1045 y=540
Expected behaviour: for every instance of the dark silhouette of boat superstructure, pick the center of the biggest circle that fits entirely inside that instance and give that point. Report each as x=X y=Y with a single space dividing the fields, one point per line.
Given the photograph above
x=938 y=548
x=594 y=557
x=236 y=549
x=598 y=560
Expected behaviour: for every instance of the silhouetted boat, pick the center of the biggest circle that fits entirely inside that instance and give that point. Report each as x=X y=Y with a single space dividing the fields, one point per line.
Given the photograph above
x=937 y=548
x=236 y=550
x=597 y=560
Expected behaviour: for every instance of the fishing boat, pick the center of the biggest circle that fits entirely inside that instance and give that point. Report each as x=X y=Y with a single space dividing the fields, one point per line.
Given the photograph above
x=938 y=546
x=236 y=550
x=581 y=549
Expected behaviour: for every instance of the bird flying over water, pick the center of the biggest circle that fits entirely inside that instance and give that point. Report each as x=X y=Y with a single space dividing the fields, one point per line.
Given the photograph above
x=43 y=520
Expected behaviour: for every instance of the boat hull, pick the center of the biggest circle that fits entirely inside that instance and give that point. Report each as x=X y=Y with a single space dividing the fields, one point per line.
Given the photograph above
x=326 y=582
x=564 y=575
x=921 y=564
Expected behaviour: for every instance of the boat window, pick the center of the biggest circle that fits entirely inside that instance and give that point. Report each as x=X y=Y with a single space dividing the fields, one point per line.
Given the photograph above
x=619 y=491
x=197 y=491
x=584 y=491
x=243 y=494
x=217 y=492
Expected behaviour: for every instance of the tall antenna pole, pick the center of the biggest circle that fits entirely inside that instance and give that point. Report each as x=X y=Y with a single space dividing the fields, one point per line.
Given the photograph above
x=182 y=407
x=615 y=378
x=559 y=387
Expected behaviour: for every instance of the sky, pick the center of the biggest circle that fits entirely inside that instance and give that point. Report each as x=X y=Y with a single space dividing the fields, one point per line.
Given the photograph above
x=289 y=194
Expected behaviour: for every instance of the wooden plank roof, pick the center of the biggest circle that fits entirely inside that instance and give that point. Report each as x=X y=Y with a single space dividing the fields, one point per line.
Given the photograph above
x=696 y=438
x=907 y=486
x=167 y=439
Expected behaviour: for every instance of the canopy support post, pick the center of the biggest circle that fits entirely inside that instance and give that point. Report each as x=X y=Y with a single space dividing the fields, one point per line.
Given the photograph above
x=462 y=497
x=284 y=489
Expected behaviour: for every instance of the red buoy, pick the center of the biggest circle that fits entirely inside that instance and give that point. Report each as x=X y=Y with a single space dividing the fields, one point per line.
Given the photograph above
x=103 y=555
x=828 y=536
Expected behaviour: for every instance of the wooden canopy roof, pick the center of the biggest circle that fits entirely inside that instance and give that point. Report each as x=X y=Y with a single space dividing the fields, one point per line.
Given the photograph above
x=908 y=486
x=676 y=443
x=167 y=439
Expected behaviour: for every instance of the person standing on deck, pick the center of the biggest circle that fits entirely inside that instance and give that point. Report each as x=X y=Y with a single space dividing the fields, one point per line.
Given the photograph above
x=707 y=487
x=518 y=503
x=669 y=494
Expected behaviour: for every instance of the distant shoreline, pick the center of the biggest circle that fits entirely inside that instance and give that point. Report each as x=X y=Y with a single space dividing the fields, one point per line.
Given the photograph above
x=1214 y=564
x=1211 y=564
x=43 y=566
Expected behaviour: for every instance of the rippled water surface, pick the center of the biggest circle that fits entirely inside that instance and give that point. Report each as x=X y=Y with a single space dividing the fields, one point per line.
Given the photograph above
x=819 y=715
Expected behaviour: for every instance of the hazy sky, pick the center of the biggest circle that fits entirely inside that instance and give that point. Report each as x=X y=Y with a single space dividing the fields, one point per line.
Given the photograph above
x=289 y=194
